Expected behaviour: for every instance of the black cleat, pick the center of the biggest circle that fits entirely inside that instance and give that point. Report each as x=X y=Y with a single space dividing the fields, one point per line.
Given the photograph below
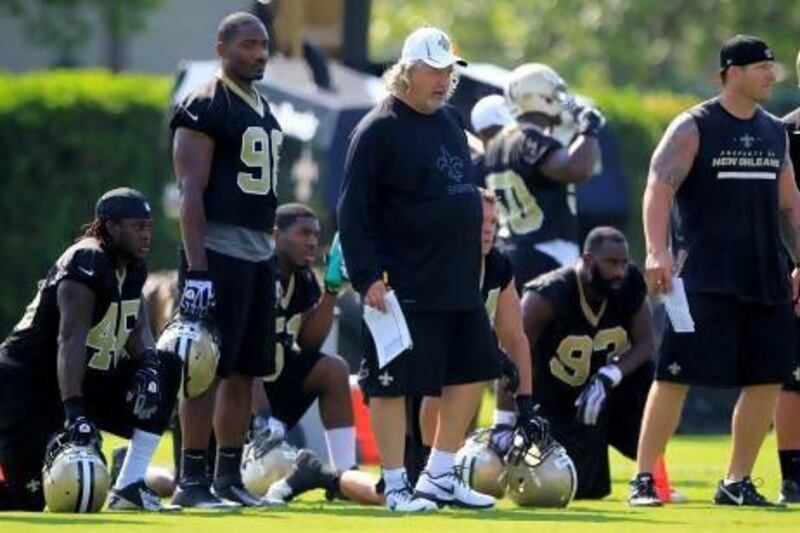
x=308 y=473
x=790 y=491
x=741 y=493
x=199 y=496
x=237 y=493
x=137 y=496
x=643 y=491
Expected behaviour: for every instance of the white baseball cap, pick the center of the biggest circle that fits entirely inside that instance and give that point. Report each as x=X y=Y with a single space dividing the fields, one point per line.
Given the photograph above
x=431 y=46
x=490 y=111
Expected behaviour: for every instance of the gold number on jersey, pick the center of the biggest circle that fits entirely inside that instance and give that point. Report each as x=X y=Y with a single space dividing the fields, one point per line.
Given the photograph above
x=573 y=360
x=104 y=342
x=518 y=210
x=292 y=328
x=261 y=151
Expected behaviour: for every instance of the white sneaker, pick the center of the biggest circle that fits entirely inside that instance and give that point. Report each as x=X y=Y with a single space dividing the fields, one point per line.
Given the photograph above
x=138 y=497
x=450 y=489
x=403 y=500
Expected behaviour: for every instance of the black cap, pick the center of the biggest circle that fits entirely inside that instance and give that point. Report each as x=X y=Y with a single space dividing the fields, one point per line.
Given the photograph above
x=744 y=50
x=123 y=202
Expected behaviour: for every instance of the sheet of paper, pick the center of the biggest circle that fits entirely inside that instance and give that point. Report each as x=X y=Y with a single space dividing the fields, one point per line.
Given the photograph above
x=389 y=330
x=677 y=307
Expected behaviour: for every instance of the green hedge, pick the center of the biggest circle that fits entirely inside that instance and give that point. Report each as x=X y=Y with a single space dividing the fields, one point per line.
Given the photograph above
x=65 y=137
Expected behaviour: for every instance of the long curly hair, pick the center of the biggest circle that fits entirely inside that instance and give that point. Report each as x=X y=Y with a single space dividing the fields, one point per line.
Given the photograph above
x=95 y=229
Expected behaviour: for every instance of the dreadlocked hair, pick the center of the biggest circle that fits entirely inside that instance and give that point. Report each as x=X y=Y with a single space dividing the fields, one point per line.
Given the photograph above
x=95 y=229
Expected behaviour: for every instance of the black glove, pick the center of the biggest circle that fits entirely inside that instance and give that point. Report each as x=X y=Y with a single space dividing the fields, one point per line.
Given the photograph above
x=534 y=427
x=197 y=299
x=78 y=429
x=593 y=398
x=509 y=371
x=589 y=120
x=145 y=391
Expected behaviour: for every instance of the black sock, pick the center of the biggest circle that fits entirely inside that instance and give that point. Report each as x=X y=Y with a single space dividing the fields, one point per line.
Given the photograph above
x=193 y=467
x=229 y=462
x=790 y=464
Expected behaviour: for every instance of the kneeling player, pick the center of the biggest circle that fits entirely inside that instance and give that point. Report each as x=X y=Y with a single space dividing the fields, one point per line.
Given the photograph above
x=591 y=339
x=83 y=357
x=302 y=373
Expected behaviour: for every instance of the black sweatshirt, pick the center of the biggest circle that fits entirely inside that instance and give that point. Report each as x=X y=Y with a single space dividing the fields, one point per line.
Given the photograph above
x=408 y=208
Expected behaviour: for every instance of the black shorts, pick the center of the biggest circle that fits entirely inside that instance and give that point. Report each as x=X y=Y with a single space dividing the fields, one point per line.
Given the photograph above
x=734 y=344
x=287 y=399
x=618 y=426
x=449 y=349
x=527 y=262
x=245 y=313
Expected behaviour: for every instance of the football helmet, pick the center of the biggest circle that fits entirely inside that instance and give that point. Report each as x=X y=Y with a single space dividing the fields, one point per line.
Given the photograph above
x=537 y=88
x=262 y=467
x=481 y=464
x=197 y=344
x=74 y=477
x=540 y=474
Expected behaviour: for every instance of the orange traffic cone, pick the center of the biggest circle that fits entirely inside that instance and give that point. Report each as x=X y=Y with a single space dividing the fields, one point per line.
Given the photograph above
x=661 y=479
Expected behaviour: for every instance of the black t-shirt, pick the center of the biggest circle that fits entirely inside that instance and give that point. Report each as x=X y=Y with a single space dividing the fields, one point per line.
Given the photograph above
x=33 y=344
x=728 y=207
x=580 y=339
x=408 y=207
x=497 y=274
x=242 y=187
x=298 y=295
x=532 y=208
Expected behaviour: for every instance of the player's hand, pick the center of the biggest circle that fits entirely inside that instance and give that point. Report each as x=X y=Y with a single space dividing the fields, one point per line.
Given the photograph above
x=197 y=299
x=267 y=433
x=335 y=271
x=593 y=398
x=795 y=280
x=590 y=120
x=82 y=431
x=501 y=437
x=144 y=394
x=376 y=296
x=509 y=372
x=535 y=428
x=658 y=272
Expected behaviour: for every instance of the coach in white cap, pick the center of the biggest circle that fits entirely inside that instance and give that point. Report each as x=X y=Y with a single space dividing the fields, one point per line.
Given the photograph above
x=410 y=220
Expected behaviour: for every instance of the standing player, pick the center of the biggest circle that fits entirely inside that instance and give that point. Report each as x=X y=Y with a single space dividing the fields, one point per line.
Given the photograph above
x=591 y=338
x=226 y=150
x=534 y=175
x=83 y=357
x=787 y=428
x=726 y=164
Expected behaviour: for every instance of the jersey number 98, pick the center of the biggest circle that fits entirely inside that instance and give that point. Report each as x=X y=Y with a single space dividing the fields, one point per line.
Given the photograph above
x=260 y=151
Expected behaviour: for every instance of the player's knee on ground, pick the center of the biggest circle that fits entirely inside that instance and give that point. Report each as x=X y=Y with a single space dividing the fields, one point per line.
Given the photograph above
x=169 y=382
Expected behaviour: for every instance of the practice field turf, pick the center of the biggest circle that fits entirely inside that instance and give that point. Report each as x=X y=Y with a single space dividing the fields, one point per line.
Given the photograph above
x=695 y=465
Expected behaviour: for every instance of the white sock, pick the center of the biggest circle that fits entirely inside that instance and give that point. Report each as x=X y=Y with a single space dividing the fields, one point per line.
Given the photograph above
x=508 y=418
x=395 y=478
x=281 y=489
x=140 y=451
x=341 y=447
x=440 y=463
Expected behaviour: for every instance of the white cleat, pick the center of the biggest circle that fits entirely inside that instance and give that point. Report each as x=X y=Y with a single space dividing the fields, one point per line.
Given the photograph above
x=450 y=489
x=403 y=500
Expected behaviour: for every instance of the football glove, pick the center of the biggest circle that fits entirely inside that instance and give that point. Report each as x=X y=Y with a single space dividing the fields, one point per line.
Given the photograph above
x=145 y=392
x=197 y=299
x=335 y=272
x=501 y=437
x=535 y=428
x=82 y=432
x=509 y=372
x=590 y=121
x=593 y=397
x=267 y=433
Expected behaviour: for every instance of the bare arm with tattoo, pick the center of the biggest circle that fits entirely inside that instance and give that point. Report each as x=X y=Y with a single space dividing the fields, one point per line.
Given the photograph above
x=789 y=216
x=669 y=167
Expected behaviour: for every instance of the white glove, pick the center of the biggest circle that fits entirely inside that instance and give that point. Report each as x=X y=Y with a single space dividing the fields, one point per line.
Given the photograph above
x=197 y=298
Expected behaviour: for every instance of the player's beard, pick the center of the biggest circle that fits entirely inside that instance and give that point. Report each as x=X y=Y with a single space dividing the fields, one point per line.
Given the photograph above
x=602 y=286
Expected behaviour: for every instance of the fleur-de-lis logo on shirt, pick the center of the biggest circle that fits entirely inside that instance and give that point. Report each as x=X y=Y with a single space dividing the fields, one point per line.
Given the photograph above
x=451 y=164
x=747 y=140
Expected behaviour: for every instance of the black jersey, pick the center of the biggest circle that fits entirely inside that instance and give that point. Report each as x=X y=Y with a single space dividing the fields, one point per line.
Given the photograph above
x=33 y=344
x=580 y=339
x=299 y=295
x=242 y=187
x=728 y=207
x=497 y=274
x=792 y=121
x=532 y=208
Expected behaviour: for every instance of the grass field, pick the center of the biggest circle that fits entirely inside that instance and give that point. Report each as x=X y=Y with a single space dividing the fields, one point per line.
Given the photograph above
x=695 y=464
